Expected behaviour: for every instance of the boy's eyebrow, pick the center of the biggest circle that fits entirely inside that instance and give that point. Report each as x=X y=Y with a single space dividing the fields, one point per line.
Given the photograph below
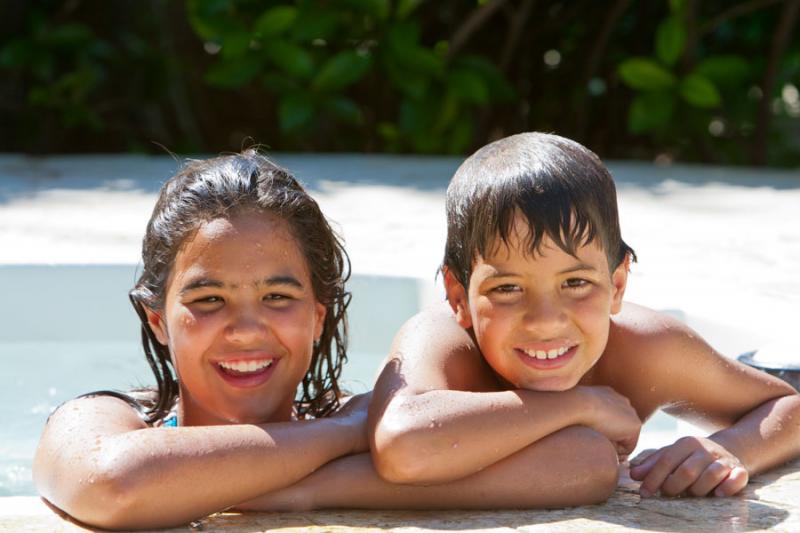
x=578 y=267
x=202 y=283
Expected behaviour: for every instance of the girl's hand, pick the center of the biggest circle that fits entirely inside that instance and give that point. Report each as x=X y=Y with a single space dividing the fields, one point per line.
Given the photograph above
x=354 y=412
x=612 y=415
x=694 y=466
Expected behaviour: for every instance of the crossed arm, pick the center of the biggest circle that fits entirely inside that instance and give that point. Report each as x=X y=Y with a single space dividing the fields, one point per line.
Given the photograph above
x=101 y=464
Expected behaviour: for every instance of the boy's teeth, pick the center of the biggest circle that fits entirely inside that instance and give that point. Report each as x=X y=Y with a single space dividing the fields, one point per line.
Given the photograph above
x=550 y=354
x=246 y=366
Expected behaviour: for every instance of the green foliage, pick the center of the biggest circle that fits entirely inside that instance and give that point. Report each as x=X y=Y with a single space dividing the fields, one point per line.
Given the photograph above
x=316 y=58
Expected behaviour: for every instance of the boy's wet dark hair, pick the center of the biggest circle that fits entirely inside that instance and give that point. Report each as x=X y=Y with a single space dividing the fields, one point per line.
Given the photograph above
x=221 y=188
x=561 y=188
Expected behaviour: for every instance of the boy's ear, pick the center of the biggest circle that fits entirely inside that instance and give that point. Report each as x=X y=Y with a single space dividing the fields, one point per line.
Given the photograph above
x=157 y=324
x=619 y=280
x=457 y=298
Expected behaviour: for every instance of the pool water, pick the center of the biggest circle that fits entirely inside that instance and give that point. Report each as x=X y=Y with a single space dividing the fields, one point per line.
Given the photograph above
x=69 y=329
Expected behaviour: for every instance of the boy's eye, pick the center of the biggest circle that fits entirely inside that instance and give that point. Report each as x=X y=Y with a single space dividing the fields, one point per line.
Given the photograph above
x=575 y=283
x=506 y=288
x=277 y=297
x=208 y=300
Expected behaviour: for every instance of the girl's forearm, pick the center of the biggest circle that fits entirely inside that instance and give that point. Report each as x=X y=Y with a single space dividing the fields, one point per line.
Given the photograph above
x=575 y=466
x=159 y=477
x=445 y=435
x=765 y=437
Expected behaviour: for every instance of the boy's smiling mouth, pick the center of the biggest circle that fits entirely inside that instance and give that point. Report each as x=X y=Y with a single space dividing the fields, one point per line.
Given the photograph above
x=547 y=357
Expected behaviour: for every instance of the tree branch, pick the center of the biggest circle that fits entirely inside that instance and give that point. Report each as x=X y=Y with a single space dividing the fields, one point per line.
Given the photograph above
x=477 y=19
x=735 y=11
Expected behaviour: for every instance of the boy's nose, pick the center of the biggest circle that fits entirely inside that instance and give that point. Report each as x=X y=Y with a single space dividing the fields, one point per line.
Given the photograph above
x=543 y=314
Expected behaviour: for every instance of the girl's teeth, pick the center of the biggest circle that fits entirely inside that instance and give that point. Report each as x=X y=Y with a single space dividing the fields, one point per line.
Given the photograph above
x=246 y=366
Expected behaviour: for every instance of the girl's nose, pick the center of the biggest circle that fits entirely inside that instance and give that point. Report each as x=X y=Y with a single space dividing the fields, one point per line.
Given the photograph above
x=246 y=327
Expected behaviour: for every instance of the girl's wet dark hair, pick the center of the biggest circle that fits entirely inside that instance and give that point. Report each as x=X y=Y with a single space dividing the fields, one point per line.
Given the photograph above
x=221 y=187
x=561 y=188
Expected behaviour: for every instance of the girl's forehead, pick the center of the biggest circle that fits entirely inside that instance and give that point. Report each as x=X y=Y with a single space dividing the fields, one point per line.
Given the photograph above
x=243 y=249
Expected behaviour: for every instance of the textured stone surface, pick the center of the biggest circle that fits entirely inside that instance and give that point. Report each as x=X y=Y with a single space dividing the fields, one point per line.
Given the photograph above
x=771 y=502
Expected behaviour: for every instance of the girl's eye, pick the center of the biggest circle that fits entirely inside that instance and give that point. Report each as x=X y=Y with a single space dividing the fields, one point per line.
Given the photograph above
x=277 y=297
x=575 y=283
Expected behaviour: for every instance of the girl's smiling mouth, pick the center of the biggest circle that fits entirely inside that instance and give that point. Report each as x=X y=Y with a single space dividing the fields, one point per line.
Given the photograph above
x=246 y=373
x=546 y=359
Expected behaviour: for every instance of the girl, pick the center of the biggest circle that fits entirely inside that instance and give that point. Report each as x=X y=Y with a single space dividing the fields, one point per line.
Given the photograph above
x=241 y=300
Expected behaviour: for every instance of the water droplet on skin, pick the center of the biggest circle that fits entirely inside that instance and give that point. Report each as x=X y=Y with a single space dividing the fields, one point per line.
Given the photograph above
x=652 y=389
x=455 y=445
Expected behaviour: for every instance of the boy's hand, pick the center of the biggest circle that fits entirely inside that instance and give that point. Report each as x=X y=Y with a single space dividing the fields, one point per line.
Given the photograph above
x=695 y=466
x=612 y=415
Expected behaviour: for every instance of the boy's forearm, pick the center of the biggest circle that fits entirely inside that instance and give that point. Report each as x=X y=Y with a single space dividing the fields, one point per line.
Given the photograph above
x=765 y=437
x=445 y=435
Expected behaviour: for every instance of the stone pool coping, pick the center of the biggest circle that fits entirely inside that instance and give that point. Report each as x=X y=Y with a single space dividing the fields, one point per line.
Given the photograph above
x=770 y=502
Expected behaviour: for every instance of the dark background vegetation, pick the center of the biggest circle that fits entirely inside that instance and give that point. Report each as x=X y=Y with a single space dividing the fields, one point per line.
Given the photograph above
x=680 y=80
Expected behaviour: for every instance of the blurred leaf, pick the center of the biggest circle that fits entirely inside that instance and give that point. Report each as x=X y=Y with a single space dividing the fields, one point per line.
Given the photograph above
x=69 y=35
x=402 y=36
x=448 y=111
x=677 y=6
x=499 y=88
x=235 y=44
x=235 y=72
x=345 y=109
x=315 y=23
x=650 y=110
x=341 y=70
x=290 y=58
x=646 y=74
x=724 y=69
x=460 y=137
x=468 y=86
x=208 y=18
x=16 y=53
x=275 y=20
x=698 y=91
x=295 y=111
x=377 y=8
x=406 y=7
x=670 y=39
x=411 y=83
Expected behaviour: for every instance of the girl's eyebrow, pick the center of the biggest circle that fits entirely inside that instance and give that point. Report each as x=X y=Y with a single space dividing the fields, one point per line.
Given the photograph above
x=202 y=283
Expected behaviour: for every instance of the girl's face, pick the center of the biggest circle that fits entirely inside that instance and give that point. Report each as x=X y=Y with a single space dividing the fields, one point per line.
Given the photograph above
x=240 y=319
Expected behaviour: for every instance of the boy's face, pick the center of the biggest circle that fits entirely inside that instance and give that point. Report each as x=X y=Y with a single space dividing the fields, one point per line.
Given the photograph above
x=541 y=320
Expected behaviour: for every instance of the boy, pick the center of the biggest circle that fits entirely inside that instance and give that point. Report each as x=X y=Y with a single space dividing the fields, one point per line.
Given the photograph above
x=537 y=340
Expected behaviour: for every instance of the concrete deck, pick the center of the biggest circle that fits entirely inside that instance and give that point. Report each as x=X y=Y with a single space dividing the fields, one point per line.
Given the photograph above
x=768 y=503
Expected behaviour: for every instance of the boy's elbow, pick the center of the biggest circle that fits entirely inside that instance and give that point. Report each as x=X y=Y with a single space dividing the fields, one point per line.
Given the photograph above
x=597 y=467
x=396 y=449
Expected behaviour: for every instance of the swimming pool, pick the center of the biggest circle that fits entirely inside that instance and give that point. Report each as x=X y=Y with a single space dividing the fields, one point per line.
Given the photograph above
x=69 y=329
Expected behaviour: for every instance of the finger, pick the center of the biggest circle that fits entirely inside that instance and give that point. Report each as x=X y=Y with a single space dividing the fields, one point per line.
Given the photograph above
x=644 y=454
x=686 y=473
x=714 y=474
x=671 y=457
x=735 y=482
x=640 y=471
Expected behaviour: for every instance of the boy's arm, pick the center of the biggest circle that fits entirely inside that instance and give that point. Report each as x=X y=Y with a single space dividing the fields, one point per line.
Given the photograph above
x=576 y=466
x=438 y=414
x=757 y=415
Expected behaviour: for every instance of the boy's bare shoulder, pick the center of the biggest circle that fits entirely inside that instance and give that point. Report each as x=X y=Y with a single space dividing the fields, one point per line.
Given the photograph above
x=432 y=351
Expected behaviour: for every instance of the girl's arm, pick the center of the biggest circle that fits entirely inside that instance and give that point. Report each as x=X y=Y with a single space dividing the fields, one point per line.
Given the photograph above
x=575 y=466
x=438 y=415
x=756 y=416
x=101 y=464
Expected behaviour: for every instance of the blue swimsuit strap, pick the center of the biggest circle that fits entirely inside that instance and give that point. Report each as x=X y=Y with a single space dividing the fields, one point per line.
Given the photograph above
x=171 y=421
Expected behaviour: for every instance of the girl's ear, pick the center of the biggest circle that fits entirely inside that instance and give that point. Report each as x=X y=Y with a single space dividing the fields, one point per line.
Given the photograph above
x=157 y=324
x=457 y=298
x=319 y=319
x=619 y=280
